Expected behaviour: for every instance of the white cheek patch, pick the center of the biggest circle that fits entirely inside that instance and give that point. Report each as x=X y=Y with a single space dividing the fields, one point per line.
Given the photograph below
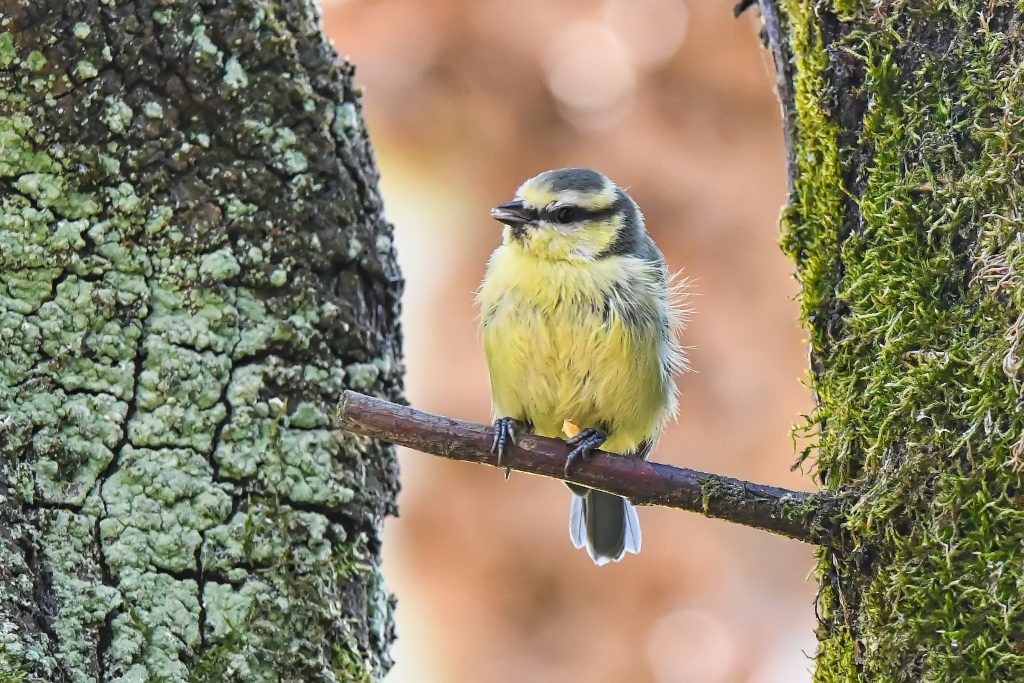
x=587 y=252
x=563 y=228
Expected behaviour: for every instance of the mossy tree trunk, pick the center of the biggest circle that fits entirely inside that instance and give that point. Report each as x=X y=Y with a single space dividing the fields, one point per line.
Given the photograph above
x=193 y=266
x=906 y=126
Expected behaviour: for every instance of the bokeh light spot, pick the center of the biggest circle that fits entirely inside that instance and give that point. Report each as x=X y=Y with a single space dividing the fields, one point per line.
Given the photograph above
x=589 y=71
x=691 y=646
x=653 y=30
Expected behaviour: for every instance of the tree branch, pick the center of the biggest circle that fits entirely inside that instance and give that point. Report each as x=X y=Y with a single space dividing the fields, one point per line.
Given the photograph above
x=809 y=517
x=775 y=31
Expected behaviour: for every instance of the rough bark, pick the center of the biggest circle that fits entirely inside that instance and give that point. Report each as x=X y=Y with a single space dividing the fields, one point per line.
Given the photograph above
x=907 y=124
x=193 y=266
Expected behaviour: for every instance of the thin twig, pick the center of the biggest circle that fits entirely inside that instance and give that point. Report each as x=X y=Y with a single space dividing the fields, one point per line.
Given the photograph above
x=808 y=517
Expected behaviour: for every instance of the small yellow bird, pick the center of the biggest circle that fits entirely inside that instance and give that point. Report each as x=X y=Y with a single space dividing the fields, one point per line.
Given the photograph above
x=579 y=318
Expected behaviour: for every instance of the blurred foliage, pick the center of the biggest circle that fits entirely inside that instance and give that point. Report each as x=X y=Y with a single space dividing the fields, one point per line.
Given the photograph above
x=467 y=98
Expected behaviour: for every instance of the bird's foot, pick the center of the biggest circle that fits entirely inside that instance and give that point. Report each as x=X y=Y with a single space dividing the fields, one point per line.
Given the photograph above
x=586 y=442
x=504 y=433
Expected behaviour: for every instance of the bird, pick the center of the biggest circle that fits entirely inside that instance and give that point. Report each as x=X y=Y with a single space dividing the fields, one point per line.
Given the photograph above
x=579 y=319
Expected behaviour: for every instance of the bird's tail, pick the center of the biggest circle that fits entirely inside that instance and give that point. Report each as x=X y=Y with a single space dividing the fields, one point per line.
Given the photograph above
x=606 y=524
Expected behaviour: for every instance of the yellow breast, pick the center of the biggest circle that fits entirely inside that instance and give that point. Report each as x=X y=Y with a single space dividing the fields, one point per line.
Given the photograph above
x=558 y=350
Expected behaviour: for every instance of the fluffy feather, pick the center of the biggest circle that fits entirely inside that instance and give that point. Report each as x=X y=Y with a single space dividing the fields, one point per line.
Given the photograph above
x=587 y=341
x=579 y=323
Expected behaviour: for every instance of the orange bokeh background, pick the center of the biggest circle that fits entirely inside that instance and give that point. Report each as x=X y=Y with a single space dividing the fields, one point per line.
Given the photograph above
x=673 y=99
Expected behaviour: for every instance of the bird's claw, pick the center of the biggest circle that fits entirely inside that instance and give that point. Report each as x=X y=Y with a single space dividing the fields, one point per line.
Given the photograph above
x=504 y=432
x=586 y=442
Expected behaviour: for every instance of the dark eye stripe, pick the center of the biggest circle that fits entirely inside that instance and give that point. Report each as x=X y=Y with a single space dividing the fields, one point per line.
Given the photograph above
x=579 y=214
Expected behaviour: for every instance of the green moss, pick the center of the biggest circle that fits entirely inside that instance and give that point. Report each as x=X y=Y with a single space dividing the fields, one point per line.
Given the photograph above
x=712 y=490
x=839 y=655
x=914 y=318
x=812 y=221
x=9 y=675
x=346 y=666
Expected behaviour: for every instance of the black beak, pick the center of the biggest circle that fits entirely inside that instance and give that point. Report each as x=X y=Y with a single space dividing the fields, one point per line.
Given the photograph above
x=514 y=214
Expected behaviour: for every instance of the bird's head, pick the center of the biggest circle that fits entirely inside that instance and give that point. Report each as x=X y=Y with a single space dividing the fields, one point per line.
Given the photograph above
x=570 y=214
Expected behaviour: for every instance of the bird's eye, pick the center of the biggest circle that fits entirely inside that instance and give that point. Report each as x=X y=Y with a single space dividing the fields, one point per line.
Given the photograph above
x=566 y=214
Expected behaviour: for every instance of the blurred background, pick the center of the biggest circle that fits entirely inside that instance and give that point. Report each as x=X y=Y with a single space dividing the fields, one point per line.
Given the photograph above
x=674 y=99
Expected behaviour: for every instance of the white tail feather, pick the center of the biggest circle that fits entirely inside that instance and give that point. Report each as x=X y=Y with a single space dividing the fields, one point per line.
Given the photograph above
x=577 y=523
x=633 y=538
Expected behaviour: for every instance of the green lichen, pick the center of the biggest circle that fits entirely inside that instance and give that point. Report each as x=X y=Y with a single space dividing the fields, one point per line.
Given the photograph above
x=86 y=601
x=219 y=265
x=18 y=149
x=284 y=142
x=158 y=504
x=174 y=337
x=50 y=191
x=294 y=161
x=361 y=376
x=35 y=61
x=74 y=447
x=8 y=53
x=205 y=49
x=17 y=653
x=346 y=120
x=236 y=208
x=279 y=277
x=712 y=490
x=85 y=70
x=123 y=198
x=234 y=75
x=118 y=115
x=153 y=110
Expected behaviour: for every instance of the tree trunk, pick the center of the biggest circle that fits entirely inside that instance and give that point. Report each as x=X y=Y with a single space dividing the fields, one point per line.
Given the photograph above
x=193 y=266
x=905 y=129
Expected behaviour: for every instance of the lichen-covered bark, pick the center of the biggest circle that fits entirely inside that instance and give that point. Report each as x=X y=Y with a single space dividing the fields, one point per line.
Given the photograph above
x=905 y=224
x=193 y=266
